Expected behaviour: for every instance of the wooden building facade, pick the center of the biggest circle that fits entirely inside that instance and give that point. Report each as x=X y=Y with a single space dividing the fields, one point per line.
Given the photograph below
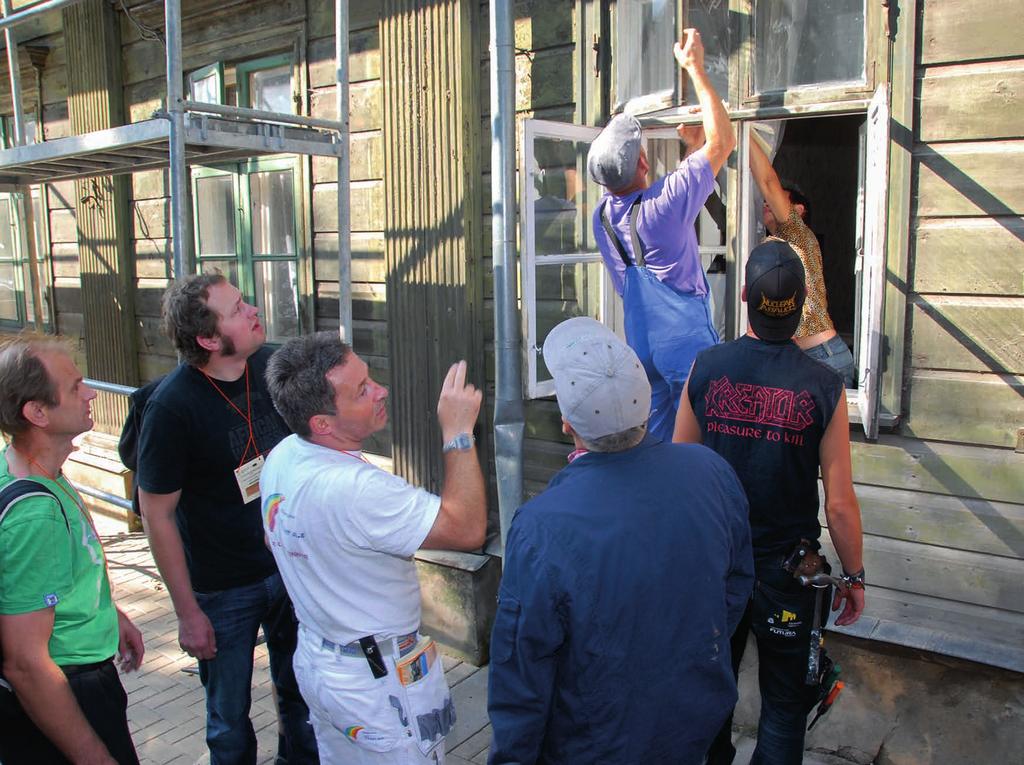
x=900 y=121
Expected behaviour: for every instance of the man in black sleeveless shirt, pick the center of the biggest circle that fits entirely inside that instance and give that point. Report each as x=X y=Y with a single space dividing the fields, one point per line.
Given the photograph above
x=777 y=416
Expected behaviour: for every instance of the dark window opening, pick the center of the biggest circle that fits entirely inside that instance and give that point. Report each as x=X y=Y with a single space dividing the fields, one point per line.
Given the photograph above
x=822 y=155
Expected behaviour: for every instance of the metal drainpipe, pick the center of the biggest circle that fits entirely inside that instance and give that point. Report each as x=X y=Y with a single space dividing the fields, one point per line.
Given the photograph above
x=508 y=397
x=176 y=114
x=341 y=25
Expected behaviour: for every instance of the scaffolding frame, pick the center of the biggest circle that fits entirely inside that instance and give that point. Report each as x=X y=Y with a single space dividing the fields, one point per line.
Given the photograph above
x=182 y=134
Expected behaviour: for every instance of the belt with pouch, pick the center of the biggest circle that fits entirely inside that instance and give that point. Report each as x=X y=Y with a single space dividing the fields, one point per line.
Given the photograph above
x=368 y=648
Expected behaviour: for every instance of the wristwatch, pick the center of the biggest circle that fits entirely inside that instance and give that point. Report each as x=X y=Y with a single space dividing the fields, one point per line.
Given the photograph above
x=460 y=443
x=854 y=581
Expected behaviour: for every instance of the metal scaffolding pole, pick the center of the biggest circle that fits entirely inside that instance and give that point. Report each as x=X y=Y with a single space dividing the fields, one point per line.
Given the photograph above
x=25 y=192
x=180 y=239
x=344 y=209
x=508 y=394
x=13 y=19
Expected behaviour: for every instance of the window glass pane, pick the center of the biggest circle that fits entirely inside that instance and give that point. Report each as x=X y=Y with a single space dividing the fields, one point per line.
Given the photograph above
x=8 y=292
x=564 y=291
x=8 y=251
x=215 y=206
x=227 y=267
x=711 y=19
x=802 y=42
x=271 y=90
x=206 y=90
x=646 y=32
x=273 y=213
x=31 y=128
x=562 y=196
x=277 y=297
x=644 y=64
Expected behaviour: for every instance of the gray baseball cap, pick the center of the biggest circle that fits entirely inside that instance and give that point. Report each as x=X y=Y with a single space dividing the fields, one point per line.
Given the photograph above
x=615 y=152
x=600 y=384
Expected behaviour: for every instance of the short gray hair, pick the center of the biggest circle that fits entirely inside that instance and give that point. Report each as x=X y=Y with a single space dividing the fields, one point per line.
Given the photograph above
x=616 y=442
x=23 y=378
x=297 y=378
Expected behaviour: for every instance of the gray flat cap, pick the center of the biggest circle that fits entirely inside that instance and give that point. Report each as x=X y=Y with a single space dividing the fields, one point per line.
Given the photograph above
x=615 y=152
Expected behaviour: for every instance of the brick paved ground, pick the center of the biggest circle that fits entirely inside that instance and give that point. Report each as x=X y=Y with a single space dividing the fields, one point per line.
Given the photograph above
x=166 y=706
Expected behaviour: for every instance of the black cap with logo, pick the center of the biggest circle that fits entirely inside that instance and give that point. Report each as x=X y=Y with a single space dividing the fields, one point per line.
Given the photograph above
x=775 y=290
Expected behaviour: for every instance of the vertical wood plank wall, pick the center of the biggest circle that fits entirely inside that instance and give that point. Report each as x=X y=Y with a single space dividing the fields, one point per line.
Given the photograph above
x=369 y=306
x=94 y=103
x=942 y=498
x=431 y=235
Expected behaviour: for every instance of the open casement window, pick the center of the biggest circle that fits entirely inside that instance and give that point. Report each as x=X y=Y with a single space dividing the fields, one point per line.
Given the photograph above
x=872 y=257
x=664 y=152
x=848 y=216
x=563 y=274
x=810 y=51
x=647 y=77
x=246 y=226
x=206 y=85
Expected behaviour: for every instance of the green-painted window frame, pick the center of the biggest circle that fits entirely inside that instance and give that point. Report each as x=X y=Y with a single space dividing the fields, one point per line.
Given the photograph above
x=7 y=130
x=20 y=260
x=245 y=68
x=245 y=258
x=217 y=69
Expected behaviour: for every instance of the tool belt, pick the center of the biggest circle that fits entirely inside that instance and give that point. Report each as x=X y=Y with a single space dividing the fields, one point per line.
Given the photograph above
x=805 y=560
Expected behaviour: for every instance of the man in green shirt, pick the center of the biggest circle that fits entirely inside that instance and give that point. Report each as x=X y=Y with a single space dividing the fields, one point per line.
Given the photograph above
x=60 y=697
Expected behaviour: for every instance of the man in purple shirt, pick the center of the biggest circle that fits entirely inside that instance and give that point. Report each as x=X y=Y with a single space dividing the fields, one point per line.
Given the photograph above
x=648 y=241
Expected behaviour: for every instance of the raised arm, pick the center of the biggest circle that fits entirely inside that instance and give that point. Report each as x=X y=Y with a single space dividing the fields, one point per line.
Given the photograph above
x=462 y=521
x=768 y=181
x=721 y=140
x=842 y=511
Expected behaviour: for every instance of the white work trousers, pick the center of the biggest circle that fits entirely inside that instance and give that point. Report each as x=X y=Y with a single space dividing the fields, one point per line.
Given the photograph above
x=362 y=720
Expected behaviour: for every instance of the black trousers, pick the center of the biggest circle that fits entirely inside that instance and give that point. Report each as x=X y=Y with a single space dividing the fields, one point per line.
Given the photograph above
x=99 y=693
x=781 y=616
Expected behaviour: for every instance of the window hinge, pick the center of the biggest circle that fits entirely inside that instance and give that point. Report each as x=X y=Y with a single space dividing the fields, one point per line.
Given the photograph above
x=597 y=55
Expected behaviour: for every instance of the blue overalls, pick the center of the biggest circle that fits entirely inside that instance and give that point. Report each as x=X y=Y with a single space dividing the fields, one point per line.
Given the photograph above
x=666 y=328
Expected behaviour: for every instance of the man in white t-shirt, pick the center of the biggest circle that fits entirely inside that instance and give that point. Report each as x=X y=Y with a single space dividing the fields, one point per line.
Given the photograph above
x=343 y=533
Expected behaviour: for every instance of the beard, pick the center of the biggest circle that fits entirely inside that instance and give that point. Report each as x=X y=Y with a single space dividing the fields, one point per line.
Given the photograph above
x=227 y=347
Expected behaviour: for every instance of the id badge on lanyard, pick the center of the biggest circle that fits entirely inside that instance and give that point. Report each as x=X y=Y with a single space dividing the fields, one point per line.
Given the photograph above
x=248 y=478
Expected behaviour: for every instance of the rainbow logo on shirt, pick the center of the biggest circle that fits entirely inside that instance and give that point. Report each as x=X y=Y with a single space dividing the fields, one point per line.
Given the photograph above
x=353 y=731
x=270 y=508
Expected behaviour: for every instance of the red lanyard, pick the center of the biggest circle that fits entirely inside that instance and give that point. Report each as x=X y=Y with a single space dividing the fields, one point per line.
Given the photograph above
x=359 y=456
x=247 y=415
x=75 y=500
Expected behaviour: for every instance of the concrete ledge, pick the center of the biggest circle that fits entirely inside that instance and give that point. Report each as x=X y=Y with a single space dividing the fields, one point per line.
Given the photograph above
x=460 y=593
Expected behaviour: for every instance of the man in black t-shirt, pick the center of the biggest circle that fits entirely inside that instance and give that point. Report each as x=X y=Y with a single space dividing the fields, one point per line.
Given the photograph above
x=205 y=433
x=777 y=416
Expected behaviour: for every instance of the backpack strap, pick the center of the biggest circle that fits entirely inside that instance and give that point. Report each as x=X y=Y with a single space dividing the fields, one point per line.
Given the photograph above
x=23 y=488
x=638 y=245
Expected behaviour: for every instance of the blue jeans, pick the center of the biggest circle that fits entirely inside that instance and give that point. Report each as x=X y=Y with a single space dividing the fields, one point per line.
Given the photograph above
x=236 y=616
x=835 y=354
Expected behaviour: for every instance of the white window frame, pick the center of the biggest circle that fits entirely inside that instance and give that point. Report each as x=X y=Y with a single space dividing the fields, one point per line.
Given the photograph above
x=530 y=260
x=872 y=259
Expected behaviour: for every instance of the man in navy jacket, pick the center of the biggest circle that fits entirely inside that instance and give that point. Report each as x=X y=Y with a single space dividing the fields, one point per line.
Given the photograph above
x=622 y=581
